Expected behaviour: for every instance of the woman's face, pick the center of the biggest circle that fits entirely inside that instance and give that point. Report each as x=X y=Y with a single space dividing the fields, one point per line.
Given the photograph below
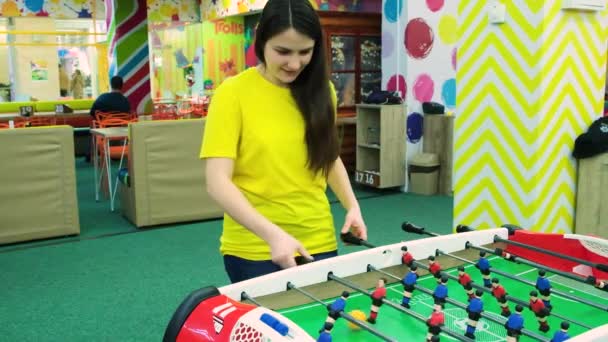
x=286 y=55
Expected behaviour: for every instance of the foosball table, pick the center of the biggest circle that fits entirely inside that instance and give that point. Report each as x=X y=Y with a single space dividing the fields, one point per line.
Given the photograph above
x=500 y=284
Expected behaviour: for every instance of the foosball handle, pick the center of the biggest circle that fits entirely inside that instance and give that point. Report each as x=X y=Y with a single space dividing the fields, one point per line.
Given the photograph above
x=412 y=228
x=350 y=238
x=463 y=228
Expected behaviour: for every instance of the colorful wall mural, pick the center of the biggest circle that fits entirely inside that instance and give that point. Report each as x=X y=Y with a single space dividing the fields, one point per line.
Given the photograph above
x=212 y=9
x=526 y=89
x=174 y=10
x=64 y=9
x=176 y=58
x=419 y=58
x=129 y=53
x=224 y=44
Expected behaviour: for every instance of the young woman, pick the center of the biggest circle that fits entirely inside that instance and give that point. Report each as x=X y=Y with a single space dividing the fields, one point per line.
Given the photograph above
x=271 y=148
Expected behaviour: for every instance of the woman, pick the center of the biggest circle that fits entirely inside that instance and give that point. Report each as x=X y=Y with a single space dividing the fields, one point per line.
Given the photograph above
x=77 y=85
x=271 y=148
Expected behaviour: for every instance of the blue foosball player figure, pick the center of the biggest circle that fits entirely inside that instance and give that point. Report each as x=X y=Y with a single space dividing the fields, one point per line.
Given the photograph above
x=484 y=267
x=543 y=285
x=515 y=324
x=474 y=309
x=336 y=308
x=325 y=333
x=441 y=292
x=562 y=334
x=409 y=283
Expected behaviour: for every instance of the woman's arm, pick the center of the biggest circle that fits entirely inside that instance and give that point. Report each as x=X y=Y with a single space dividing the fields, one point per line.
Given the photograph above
x=221 y=188
x=340 y=184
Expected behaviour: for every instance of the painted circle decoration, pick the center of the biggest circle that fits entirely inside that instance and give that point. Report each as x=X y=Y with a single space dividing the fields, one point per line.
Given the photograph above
x=434 y=5
x=448 y=93
x=388 y=43
x=414 y=127
x=419 y=38
x=392 y=10
x=448 y=29
x=455 y=58
x=424 y=87
x=397 y=83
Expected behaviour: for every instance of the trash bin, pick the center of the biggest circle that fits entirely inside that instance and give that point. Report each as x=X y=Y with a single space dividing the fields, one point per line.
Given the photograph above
x=424 y=174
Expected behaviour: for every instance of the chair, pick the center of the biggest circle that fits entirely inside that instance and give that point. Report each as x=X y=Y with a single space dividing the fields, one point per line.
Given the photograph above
x=38 y=121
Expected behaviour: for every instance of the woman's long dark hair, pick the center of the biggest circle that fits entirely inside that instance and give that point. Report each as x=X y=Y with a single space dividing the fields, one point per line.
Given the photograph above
x=311 y=89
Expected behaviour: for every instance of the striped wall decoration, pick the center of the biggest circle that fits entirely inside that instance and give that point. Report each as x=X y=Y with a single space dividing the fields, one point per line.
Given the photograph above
x=526 y=89
x=129 y=53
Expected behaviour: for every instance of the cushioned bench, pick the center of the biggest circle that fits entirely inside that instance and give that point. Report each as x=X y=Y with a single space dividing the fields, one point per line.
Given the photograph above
x=166 y=175
x=38 y=197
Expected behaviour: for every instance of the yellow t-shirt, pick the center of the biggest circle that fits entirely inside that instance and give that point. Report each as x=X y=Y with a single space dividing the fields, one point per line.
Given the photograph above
x=259 y=125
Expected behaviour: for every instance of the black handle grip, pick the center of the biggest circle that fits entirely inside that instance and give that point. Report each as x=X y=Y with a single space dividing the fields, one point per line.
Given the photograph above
x=350 y=238
x=463 y=228
x=412 y=228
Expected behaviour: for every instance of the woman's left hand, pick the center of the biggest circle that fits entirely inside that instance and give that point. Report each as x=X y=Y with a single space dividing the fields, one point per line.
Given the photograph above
x=354 y=223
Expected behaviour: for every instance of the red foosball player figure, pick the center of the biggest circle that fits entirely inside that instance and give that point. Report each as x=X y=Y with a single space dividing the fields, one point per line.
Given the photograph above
x=499 y=292
x=540 y=310
x=465 y=280
x=435 y=322
x=377 y=296
x=407 y=258
x=435 y=268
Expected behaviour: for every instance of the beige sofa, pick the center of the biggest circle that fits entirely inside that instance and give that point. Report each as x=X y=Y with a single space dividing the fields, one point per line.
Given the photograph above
x=167 y=177
x=38 y=198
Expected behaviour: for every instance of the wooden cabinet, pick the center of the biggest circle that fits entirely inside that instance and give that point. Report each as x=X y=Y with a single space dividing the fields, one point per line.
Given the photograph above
x=381 y=145
x=354 y=57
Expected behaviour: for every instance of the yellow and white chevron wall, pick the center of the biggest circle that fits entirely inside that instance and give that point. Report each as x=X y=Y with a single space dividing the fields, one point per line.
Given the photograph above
x=526 y=89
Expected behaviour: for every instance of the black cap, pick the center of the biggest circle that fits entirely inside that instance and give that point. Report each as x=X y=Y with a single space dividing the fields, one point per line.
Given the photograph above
x=444 y=278
x=495 y=280
x=461 y=268
x=328 y=326
x=413 y=268
x=519 y=308
x=479 y=293
x=533 y=293
x=345 y=294
x=541 y=273
x=404 y=248
x=482 y=253
x=432 y=258
x=565 y=325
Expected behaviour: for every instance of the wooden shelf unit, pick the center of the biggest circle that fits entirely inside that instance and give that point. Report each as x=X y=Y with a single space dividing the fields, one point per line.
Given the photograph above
x=381 y=145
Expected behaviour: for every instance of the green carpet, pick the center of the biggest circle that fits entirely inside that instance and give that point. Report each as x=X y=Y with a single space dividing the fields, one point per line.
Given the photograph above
x=116 y=283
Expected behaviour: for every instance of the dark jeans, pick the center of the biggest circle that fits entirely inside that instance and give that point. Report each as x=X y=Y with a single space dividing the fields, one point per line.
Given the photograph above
x=240 y=269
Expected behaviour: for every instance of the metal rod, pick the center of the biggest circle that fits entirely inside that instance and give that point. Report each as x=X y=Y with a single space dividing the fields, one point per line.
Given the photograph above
x=343 y=314
x=459 y=304
x=517 y=259
x=600 y=267
x=246 y=296
x=515 y=300
x=396 y=307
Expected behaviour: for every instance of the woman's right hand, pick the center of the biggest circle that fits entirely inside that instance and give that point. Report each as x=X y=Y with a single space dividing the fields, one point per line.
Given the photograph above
x=283 y=249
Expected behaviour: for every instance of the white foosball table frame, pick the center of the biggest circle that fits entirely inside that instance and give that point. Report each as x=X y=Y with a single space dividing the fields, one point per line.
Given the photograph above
x=380 y=257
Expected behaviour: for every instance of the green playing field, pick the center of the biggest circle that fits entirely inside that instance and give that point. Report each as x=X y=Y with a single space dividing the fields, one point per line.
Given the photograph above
x=404 y=327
